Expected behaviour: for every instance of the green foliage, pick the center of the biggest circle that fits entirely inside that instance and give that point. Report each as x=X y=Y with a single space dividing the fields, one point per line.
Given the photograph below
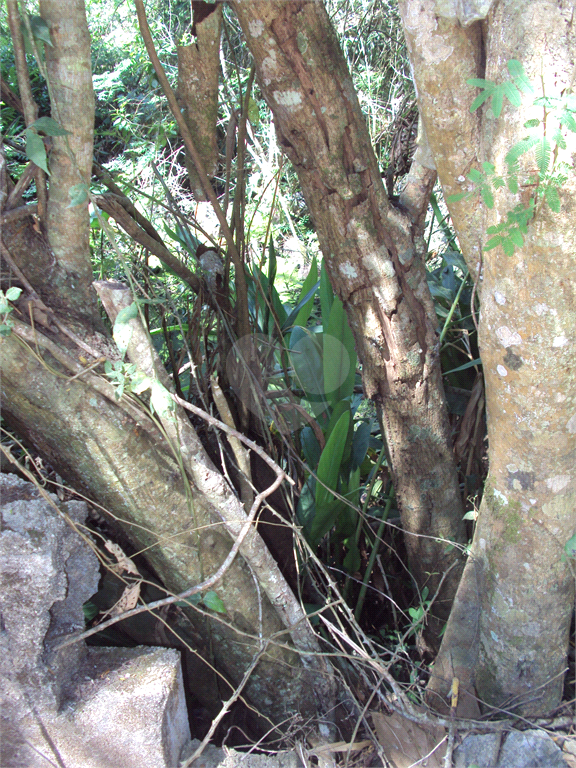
x=544 y=139
x=6 y=324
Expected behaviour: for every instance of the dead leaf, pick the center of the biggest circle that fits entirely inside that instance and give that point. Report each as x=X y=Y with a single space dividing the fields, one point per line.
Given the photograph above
x=128 y=600
x=406 y=743
x=124 y=563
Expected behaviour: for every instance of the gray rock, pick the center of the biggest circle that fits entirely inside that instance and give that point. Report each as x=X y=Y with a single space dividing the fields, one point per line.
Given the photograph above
x=79 y=707
x=518 y=749
x=213 y=757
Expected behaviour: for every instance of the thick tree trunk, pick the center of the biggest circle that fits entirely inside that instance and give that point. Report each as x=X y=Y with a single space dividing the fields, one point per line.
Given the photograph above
x=508 y=633
x=375 y=260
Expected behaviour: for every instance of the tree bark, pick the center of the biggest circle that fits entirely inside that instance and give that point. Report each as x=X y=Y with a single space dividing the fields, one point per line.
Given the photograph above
x=508 y=633
x=375 y=259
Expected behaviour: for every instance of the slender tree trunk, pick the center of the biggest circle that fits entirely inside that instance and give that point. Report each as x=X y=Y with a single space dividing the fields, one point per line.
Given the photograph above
x=508 y=633
x=375 y=258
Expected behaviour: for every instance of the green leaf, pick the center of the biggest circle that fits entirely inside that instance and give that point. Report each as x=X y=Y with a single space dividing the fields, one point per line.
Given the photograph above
x=487 y=196
x=272 y=263
x=552 y=198
x=310 y=447
x=498 y=101
x=516 y=237
x=512 y=93
x=310 y=282
x=328 y=473
x=36 y=151
x=213 y=602
x=475 y=176
x=305 y=355
x=13 y=293
x=508 y=247
x=519 y=76
x=78 y=194
x=457 y=198
x=494 y=242
x=567 y=119
x=533 y=123
x=489 y=168
x=5 y=330
x=360 y=444
x=513 y=184
x=543 y=152
x=40 y=30
x=352 y=560
x=48 y=126
x=479 y=100
x=290 y=319
x=339 y=355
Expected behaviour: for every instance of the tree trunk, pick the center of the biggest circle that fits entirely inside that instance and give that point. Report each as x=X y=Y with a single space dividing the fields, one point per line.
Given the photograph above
x=508 y=633
x=157 y=482
x=374 y=254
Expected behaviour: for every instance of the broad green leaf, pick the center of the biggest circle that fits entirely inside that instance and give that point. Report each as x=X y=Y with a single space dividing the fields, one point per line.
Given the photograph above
x=343 y=406
x=489 y=168
x=352 y=560
x=49 y=126
x=326 y=293
x=36 y=151
x=213 y=602
x=339 y=355
x=290 y=319
x=310 y=447
x=78 y=194
x=160 y=400
x=13 y=293
x=272 y=264
x=305 y=355
x=122 y=331
x=533 y=123
x=329 y=464
x=306 y=509
x=310 y=282
x=40 y=29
